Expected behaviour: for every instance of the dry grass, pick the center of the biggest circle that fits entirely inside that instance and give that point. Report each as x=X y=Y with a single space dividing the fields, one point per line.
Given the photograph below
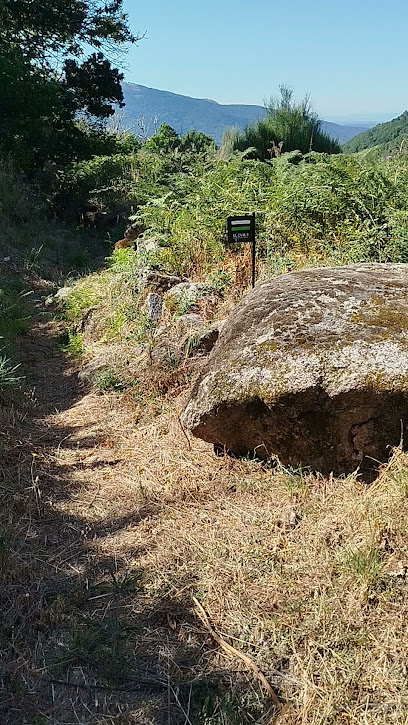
x=308 y=576
x=112 y=522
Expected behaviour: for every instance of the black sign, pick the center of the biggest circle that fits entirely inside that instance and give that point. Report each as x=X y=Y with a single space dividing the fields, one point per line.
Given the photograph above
x=241 y=228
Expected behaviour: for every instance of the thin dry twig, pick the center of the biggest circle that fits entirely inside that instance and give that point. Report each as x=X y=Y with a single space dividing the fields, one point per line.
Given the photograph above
x=236 y=653
x=184 y=433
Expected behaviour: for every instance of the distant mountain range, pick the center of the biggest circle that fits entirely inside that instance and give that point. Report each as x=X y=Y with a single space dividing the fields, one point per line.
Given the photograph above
x=152 y=107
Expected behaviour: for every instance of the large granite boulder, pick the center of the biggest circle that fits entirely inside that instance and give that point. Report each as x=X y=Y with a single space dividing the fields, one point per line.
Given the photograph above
x=312 y=367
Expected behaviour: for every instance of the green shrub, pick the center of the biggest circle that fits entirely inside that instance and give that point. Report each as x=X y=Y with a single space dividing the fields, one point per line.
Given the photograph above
x=311 y=208
x=292 y=123
x=13 y=311
x=75 y=344
x=142 y=330
x=107 y=380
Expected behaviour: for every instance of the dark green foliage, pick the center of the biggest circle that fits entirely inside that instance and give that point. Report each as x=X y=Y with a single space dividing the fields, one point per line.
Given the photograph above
x=14 y=319
x=79 y=179
x=13 y=312
x=40 y=103
x=119 y=181
x=92 y=86
x=196 y=142
x=42 y=28
x=312 y=206
x=164 y=141
x=292 y=123
x=384 y=133
x=133 y=177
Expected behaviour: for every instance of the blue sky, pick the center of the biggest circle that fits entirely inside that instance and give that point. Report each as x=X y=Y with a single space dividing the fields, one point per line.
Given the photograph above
x=351 y=56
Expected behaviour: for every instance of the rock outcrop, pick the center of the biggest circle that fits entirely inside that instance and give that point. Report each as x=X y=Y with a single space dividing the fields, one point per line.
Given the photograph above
x=312 y=367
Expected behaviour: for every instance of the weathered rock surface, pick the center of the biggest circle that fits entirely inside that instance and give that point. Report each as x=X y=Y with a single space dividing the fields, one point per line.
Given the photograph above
x=60 y=296
x=147 y=245
x=153 y=306
x=133 y=231
x=185 y=294
x=189 y=323
x=210 y=336
x=160 y=282
x=205 y=339
x=312 y=366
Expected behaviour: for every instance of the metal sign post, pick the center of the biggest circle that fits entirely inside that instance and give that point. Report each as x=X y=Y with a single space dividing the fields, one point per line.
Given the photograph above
x=242 y=229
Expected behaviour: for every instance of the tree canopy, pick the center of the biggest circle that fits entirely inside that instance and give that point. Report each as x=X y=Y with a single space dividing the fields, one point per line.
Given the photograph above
x=54 y=67
x=166 y=140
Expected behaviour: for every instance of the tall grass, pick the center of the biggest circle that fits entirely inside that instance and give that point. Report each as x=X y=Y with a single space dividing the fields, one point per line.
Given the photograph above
x=8 y=371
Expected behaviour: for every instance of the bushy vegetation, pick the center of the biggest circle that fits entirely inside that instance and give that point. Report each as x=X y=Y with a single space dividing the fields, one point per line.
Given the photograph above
x=54 y=66
x=167 y=140
x=289 y=125
x=386 y=135
x=312 y=209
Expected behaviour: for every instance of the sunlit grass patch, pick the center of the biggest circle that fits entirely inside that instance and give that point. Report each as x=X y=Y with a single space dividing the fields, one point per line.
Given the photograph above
x=365 y=564
x=74 y=345
x=8 y=370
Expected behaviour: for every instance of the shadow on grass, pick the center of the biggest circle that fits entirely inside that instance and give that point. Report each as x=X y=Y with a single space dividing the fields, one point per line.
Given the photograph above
x=81 y=638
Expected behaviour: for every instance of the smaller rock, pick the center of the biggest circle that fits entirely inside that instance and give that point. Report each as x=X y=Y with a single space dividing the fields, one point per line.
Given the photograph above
x=189 y=323
x=205 y=340
x=134 y=231
x=153 y=306
x=147 y=246
x=60 y=296
x=160 y=282
x=183 y=297
x=166 y=352
x=210 y=337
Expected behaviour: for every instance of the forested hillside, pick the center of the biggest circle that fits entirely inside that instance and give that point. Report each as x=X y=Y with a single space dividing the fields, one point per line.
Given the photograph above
x=387 y=135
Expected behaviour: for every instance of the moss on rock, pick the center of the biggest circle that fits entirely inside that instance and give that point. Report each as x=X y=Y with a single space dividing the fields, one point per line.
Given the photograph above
x=326 y=345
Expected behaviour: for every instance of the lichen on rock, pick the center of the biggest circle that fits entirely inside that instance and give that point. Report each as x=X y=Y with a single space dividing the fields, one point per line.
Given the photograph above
x=312 y=366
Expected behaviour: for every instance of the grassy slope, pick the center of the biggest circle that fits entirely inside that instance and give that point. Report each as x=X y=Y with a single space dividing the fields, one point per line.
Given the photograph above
x=111 y=521
x=115 y=526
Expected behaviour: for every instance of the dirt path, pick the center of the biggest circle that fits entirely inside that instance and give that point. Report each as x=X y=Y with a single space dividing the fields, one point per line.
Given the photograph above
x=92 y=631
x=110 y=524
